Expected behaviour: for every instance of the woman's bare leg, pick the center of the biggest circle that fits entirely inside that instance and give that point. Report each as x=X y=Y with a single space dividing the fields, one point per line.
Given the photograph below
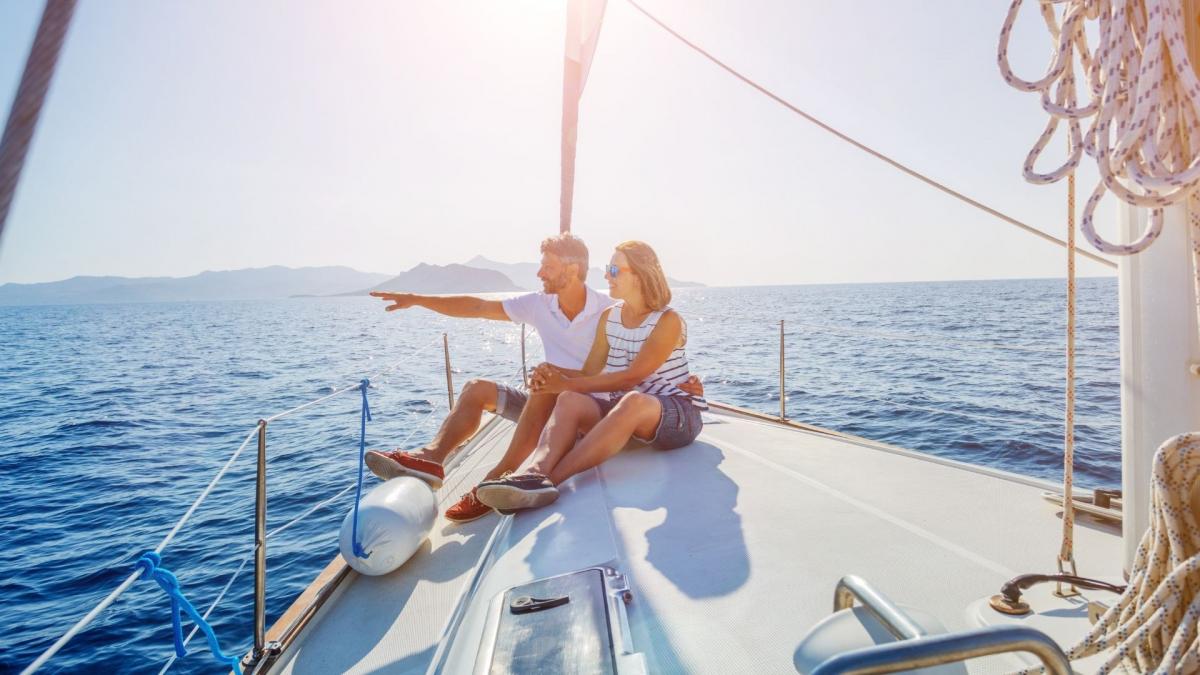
x=573 y=413
x=636 y=414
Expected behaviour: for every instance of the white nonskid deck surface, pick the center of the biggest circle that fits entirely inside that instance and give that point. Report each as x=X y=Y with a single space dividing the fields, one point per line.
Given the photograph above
x=733 y=546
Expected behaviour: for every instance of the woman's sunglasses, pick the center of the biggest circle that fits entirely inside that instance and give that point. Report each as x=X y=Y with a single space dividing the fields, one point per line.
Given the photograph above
x=613 y=270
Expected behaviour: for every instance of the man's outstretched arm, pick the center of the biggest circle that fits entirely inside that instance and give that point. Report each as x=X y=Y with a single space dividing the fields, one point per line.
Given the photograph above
x=460 y=306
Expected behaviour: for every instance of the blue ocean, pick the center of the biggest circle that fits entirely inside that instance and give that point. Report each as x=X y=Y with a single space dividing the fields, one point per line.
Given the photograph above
x=113 y=418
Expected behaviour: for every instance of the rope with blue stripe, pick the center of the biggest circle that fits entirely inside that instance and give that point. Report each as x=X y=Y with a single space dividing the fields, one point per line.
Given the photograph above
x=151 y=566
x=362 y=450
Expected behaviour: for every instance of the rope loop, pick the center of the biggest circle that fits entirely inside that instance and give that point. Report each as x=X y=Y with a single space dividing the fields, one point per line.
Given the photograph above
x=150 y=566
x=356 y=545
x=1074 y=155
x=1057 y=63
x=1088 y=227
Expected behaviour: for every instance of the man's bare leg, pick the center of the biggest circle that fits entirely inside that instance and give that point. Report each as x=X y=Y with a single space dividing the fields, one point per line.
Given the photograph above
x=463 y=420
x=529 y=426
x=573 y=413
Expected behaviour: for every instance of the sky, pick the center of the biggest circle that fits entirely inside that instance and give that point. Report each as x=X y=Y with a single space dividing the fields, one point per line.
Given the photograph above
x=183 y=137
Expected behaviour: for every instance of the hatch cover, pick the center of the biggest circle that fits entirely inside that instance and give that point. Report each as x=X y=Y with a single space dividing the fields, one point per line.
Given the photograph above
x=555 y=625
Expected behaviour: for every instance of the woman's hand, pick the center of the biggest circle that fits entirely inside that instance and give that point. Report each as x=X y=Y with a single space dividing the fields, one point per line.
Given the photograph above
x=693 y=386
x=547 y=379
x=537 y=374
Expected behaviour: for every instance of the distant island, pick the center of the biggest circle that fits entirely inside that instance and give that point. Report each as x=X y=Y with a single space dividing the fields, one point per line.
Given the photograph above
x=426 y=278
x=478 y=275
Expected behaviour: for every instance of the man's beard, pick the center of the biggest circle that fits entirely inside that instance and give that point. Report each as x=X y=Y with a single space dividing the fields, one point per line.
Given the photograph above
x=556 y=284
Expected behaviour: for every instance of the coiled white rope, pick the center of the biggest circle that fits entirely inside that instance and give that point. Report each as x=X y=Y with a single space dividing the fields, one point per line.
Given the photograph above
x=1152 y=626
x=1143 y=104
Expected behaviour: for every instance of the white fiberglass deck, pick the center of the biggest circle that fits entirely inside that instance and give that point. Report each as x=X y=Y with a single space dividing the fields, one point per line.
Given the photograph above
x=732 y=547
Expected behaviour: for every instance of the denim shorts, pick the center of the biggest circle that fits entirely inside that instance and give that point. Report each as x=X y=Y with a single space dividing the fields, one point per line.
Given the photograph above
x=678 y=425
x=510 y=401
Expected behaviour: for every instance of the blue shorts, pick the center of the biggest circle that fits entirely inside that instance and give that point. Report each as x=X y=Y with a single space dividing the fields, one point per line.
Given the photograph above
x=510 y=401
x=678 y=425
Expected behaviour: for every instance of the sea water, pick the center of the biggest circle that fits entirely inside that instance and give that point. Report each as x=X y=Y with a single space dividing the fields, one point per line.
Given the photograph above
x=114 y=417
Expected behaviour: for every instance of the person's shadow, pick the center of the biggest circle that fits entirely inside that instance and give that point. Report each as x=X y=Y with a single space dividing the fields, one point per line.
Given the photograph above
x=700 y=546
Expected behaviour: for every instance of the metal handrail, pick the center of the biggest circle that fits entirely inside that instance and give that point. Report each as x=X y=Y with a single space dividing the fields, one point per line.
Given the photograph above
x=917 y=649
x=884 y=610
x=941 y=649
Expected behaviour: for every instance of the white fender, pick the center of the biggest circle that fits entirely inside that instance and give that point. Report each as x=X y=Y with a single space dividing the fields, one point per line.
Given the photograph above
x=393 y=520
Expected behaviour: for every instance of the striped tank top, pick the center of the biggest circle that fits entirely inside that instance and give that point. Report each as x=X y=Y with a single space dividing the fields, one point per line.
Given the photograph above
x=624 y=345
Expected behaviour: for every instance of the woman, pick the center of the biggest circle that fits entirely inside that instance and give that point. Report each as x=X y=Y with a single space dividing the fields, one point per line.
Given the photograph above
x=629 y=387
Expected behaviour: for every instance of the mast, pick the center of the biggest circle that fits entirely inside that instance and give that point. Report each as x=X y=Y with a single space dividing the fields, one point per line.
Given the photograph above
x=583 y=33
x=31 y=94
x=1160 y=345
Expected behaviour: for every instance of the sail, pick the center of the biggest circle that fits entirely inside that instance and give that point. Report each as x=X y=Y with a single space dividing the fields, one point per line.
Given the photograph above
x=583 y=32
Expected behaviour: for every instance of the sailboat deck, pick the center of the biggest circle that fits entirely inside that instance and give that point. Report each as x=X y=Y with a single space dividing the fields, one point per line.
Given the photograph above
x=732 y=547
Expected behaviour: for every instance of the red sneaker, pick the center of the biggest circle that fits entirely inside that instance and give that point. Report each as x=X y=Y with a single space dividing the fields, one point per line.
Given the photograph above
x=388 y=465
x=467 y=509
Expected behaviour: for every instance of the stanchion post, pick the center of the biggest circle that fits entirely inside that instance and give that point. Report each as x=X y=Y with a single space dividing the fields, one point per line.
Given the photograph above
x=260 y=545
x=263 y=651
x=449 y=378
x=782 y=390
x=524 y=372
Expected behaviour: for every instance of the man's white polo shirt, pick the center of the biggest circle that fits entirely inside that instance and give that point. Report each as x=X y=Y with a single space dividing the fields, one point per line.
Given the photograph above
x=567 y=343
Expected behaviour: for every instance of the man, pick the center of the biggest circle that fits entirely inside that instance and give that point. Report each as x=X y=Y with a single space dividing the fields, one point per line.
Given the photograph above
x=564 y=313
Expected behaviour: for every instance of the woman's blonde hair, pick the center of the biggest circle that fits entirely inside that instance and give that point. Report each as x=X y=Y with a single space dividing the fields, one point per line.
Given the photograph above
x=644 y=263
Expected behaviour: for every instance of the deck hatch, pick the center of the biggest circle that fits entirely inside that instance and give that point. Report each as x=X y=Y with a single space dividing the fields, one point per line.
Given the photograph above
x=569 y=637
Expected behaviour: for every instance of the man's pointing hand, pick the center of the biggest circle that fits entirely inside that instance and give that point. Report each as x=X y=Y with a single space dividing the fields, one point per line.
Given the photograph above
x=398 y=300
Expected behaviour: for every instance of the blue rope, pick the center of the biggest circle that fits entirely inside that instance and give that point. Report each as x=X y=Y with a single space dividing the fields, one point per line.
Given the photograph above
x=362 y=451
x=149 y=564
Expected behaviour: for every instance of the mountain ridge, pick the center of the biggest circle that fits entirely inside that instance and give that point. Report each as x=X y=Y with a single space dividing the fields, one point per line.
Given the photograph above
x=253 y=283
x=477 y=275
x=452 y=278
